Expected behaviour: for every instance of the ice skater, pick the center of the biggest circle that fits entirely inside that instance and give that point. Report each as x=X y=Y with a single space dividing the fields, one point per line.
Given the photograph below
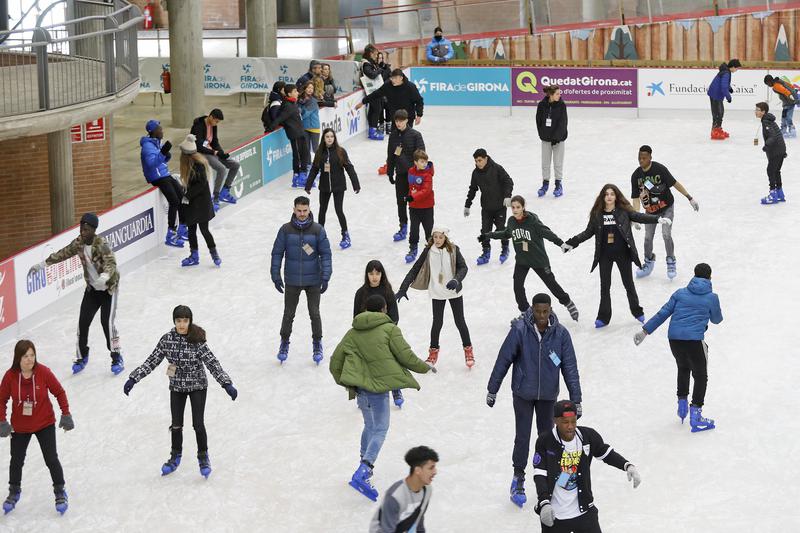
x=403 y=143
x=718 y=90
x=496 y=188
x=420 y=201
x=289 y=117
x=689 y=310
x=197 y=206
x=204 y=130
x=185 y=349
x=309 y=115
x=551 y=123
x=775 y=148
x=538 y=347
x=404 y=504
x=787 y=94
x=378 y=72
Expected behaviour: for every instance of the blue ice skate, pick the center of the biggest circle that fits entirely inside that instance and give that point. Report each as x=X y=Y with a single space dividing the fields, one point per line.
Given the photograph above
x=317 y=354
x=600 y=324
x=226 y=196
x=173 y=239
x=697 y=421
x=503 y=254
x=345 y=242
x=172 y=463
x=683 y=408
x=543 y=189
x=192 y=260
x=518 y=496
x=14 y=494
x=117 y=363
x=647 y=269
x=411 y=255
x=772 y=198
x=204 y=463
x=397 y=396
x=672 y=269
x=80 y=363
x=558 y=191
x=62 y=503
x=401 y=234
x=362 y=482
x=283 y=351
x=215 y=256
x=484 y=257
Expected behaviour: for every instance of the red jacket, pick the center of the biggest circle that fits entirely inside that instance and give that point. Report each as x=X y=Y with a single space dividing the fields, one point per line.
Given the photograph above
x=420 y=186
x=19 y=389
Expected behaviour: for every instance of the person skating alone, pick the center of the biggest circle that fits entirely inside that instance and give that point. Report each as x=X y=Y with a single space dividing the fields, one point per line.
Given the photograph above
x=420 y=201
x=308 y=268
x=155 y=156
x=225 y=169
x=185 y=349
x=650 y=189
x=689 y=310
x=197 y=207
x=562 y=472
x=720 y=89
x=539 y=348
x=787 y=94
x=289 y=117
x=404 y=504
x=551 y=123
x=496 y=188
x=441 y=270
x=610 y=225
x=372 y=359
x=331 y=162
x=775 y=148
x=102 y=289
x=404 y=141
x=27 y=384
x=527 y=233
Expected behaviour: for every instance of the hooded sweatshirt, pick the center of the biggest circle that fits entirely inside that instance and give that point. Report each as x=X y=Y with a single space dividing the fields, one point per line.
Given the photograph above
x=691 y=308
x=154 y=163
x=35 y=389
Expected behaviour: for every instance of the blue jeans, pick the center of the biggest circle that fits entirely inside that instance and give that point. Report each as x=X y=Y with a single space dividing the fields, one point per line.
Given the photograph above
x=375 y=409
x=786 y=117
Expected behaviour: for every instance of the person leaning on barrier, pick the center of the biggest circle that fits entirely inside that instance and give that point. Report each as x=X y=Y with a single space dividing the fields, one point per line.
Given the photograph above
x=204 y=129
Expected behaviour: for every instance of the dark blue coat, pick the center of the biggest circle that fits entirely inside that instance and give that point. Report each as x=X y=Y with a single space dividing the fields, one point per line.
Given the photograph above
x=691 y=308
x=302 y=269
x=720 y=88
x=535 y=376
x=154 y=163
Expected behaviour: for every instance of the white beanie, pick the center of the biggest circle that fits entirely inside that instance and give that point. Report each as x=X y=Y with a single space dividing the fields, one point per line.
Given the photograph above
x=189 y=145
x=438 y=229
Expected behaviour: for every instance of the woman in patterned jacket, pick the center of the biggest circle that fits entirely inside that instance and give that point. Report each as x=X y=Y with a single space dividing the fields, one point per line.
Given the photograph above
x=186 y=351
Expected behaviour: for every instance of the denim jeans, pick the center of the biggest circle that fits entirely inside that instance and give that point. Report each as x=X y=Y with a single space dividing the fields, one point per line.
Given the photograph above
x=375 y=409
x=786 y=117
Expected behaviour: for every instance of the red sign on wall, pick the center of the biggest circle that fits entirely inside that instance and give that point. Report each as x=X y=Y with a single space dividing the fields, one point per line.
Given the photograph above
x=76 y=133
x=8 y=295
x=96 y=130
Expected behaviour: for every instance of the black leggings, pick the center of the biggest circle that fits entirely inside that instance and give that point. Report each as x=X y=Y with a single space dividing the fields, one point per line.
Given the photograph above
x=457 y=305
x=338 y=205
x=692 y=359
x=177 y=404
x=173 y=193
x=624 y=264
x=546 y=275
x=47 y=442
x=206 y=235
x=300 y=154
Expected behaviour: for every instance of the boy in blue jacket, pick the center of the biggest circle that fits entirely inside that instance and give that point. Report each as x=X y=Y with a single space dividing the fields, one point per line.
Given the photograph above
x=720 y=89
x=540 y=349
x=691 y=308
x=155 y=156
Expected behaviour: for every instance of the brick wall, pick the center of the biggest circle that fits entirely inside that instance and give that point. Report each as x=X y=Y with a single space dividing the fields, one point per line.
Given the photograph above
x=25 y=188
x=217 y=14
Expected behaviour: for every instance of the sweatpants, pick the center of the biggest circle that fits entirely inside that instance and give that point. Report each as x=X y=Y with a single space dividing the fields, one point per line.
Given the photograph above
x=457 y=305
x=171 y=190
x=177 y=405
x=313 y=142
x=691 y=358
x=546 y=275
x=338 y=205
x=375 y=410
x=47 y=442
x=523 y=422
x=206 y=235
x=107 y=304
x=493 y=218
x=225 y=170
x=666 y=232
x=786 y=118
x=291 y=297
x=717 y=112
x=419 y=216
x=585 y=523
x=300 y=155
x=774 y=165
x=401 y=191
x=625 y=266
x=554 y=154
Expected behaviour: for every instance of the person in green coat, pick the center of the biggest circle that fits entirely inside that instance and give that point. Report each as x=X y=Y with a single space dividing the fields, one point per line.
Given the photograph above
x=527 y=233
x=372 y=359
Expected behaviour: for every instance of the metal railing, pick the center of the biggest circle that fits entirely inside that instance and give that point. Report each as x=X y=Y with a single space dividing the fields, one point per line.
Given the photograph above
x=82 y=59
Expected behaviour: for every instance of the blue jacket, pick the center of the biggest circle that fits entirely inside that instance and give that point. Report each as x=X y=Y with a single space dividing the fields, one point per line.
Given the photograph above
x=302 y=269
x=309 y=113
x=535 y=375
x=691 y=308
x=439 y=51
x=154 y=163
x=720 y=88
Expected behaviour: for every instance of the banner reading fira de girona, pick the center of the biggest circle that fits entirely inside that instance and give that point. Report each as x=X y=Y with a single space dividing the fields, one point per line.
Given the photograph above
x=580 y=87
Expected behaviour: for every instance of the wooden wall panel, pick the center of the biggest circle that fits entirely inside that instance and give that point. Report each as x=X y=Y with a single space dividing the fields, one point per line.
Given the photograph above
x=719 y=48
x=770 y=26
x=691 y=40
x=596 y=45
x=738 y=38
x=753 y=50
x=705 y=41
x=563 y=45
x=675 y=42
x=641 y=39
x=548 y=46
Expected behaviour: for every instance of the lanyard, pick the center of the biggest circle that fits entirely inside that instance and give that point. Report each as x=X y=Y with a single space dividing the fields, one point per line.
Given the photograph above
x=19 y=385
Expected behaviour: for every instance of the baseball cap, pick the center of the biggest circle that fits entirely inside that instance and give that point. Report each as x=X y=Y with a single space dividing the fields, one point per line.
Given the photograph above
x=151 y=125
x=565 y=408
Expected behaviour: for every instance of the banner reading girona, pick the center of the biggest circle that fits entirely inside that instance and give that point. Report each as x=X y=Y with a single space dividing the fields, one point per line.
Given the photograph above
x=580 y=87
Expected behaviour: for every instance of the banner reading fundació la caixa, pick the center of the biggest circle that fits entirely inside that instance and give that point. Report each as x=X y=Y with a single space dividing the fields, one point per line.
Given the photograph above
x=580 y=87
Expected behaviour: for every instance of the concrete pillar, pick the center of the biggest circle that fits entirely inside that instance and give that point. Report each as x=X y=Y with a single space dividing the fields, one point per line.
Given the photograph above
x=62 y=196
x=324 y=14
x=262 y=28
x=186 y=61
x=3 y=15
x=290 y=9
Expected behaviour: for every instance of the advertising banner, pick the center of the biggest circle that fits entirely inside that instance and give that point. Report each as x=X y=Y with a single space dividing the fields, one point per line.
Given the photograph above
x=344 y=119
x=8 y=295
x=250 y=176
x=580 y=87
x=277 y=155
x=463 y=86
x=667 y=88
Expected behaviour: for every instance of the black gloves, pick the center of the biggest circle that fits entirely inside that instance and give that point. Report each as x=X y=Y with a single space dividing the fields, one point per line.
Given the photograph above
x=482 y=237
x=222 y=155
x=409 y=198
x=453 y=285
x=391 y=179
x=730 y=90
x=166 y=147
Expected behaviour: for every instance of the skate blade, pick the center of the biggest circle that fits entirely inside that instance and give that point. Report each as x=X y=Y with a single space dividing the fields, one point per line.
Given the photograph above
x=697 y=430
x=369 y=494
x=518 y=503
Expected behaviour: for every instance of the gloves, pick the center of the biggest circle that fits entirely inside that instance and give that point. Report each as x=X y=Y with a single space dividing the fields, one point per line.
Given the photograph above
x=730 y=90
x=506 y=202
x=5 y=429
x=409 y=198
x=639 y=337
x=466 y=211
x=482 y=237
x=231 y=390
x=664 y=221
x=633 y=475
x=637 y=226
x=565 y=247
x=279 y=286
x=128 y=386
x=578 y=410
x=729 y=99
x=453 y=285
x=694 y=203
x=490 y=399
x=222 y=155
x=323 y=287
x=307 y=188
x=546 y=514
x=391 y=179
x=401 y=294
x=66 y=423
x=431 y=367
x=165 y=148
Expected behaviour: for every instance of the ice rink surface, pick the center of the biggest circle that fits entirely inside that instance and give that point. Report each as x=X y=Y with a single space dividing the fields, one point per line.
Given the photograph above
x=283 y=452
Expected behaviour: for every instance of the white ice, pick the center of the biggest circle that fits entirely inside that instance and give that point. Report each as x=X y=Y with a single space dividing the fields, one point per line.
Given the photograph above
x=283 y=452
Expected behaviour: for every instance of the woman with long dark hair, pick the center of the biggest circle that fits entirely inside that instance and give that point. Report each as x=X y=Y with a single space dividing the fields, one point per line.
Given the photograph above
x=610 y=224
x=328 y=87
x=372 y=69
x=309 y=114
x=331 y=162
x=198 y=210
x=185 y=349
x=26 y=384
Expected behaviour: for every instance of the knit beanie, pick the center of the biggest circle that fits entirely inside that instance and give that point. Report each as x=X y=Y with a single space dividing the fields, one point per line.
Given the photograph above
x=189 y=145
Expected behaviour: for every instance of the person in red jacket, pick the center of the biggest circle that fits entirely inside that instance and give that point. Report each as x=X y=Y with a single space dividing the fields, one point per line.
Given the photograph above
x=420 y=201
x=27 y=383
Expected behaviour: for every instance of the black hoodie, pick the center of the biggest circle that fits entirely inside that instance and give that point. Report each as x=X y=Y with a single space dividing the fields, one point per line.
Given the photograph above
x=404 y=96
x=774 y=144
x=557 y=113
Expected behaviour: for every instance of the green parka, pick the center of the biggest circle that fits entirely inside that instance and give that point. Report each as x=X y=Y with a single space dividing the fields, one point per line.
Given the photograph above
x=375 y=357
x=527 y=235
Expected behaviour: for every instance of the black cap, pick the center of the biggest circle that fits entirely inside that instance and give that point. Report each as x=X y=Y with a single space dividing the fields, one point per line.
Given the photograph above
x=90 y=219
x=565 y=408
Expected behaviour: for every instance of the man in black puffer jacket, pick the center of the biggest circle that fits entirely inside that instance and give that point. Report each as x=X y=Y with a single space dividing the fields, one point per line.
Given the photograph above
x=403 y=142
x=400 y=94
x=775 y=148
x=496 y=188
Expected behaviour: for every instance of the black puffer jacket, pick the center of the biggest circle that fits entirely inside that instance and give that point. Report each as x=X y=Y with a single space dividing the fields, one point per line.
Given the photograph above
x=494 y=183
x=289 y=118
x=373 y=70
x=404 y=96
x=774 y=145
x=332 y=181
x=199 y=209
x=557 y=112
x=623 y=218
x=410 y=140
